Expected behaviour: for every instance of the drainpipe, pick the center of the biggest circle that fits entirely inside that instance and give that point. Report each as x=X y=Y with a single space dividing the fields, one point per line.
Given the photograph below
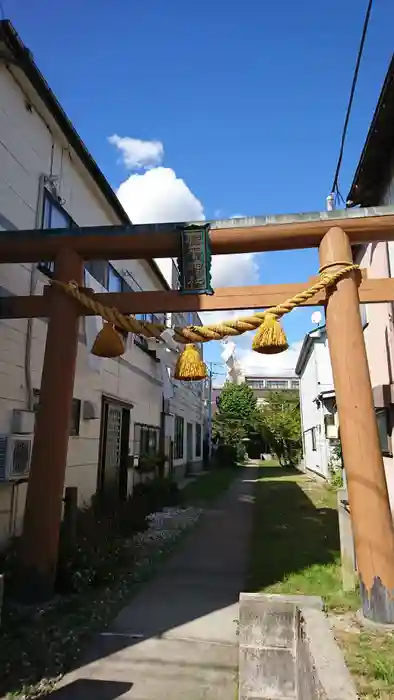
x=210 y=414
x=390 y=253
x=32 y=286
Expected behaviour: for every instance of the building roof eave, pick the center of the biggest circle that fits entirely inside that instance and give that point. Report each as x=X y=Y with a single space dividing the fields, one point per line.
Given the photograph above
x=306 y=345
x=376 y=158
x=20 y=56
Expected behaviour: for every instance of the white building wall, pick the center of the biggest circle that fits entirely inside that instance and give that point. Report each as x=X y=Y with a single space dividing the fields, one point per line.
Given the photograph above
x=31 y=146
x=188 y=403
x=316 y=377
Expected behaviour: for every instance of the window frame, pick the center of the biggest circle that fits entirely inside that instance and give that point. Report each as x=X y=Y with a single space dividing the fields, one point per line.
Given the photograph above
x=329 y=422
x=102 y=270
x=272 y=384
x=363 y=315
x=75 y=417
x=179 y=437
x=49 y=200
x=314 y=441
x=198 y=439
x=146 y=433
x=386 y=414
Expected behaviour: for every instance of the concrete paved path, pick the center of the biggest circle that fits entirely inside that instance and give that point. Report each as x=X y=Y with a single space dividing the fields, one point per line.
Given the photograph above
x=178 y=637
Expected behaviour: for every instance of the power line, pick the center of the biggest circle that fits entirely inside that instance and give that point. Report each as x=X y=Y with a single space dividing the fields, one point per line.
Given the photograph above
x=335 y=189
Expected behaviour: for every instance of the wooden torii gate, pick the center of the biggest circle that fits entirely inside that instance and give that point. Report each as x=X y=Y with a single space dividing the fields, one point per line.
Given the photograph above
x=333 y=234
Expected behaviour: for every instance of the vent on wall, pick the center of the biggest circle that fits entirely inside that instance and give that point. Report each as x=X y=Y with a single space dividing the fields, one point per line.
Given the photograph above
x=15 y=456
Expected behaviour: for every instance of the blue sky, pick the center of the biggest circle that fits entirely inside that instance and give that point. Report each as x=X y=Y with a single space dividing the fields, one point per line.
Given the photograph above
x=246 y=100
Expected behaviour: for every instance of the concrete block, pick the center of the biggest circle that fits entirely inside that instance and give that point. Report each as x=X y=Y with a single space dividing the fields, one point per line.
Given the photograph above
x=308 y=686
x=305 y=601
x=328 y=673
x=270 y=624
x=348 y=558
x=266 y=673
x=287 y=650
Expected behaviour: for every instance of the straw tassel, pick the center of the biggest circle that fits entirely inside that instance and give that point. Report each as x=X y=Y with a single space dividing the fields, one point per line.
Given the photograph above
x=270 y=337
x=108 y=343
x=190 y=367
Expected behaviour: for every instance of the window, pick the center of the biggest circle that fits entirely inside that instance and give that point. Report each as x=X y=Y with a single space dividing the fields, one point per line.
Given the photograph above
x=146 y=440
x=75 y=417
x=75 y=412
x=313 y=433
x=107 y=276
x=295 y=384
x=276 y=384
x=255 y=384
x=198 y=440
x=363 y=314
x=54 y=216
x=179 y=433
x=329 y=426
x=384 y=429
x=140 y=339
x=99 y=270
x=114 y=280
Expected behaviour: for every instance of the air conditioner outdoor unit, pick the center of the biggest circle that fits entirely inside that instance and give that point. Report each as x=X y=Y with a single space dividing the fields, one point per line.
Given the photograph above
x=15 y=456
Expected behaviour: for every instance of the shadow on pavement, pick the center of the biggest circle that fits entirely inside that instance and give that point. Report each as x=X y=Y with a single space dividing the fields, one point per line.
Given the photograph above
x=194 y=598
x=84 y=688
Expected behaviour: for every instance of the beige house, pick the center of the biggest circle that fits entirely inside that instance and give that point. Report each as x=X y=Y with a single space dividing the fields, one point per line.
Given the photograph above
x=126 y=406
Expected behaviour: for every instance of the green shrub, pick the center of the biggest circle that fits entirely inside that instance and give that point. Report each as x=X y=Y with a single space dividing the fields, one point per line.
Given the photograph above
x=102 y=545
x=157 y=494
x=336 y=478
x=228 y=455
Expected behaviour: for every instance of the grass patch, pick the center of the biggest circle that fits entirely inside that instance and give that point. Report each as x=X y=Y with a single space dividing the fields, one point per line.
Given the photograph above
x=296 y=550
x=370 y=658
x=208 y=487
x=295 y=545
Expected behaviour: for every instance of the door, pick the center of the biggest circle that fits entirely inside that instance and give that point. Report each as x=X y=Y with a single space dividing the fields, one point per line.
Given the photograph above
x=115 y=426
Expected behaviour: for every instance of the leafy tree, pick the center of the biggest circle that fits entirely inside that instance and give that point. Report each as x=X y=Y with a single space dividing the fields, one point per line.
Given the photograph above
x=280 y=425
x=237 y=401
x=234 y=420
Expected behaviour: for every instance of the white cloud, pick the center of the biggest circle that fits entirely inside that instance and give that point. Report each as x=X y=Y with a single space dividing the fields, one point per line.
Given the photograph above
x=159 y=196
x=235 y=270
x=137 y=153
x=254 y=363
x=208 y=317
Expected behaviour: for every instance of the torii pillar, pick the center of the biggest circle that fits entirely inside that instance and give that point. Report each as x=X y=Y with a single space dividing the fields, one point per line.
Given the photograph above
x=371 y=517
x=39 y=545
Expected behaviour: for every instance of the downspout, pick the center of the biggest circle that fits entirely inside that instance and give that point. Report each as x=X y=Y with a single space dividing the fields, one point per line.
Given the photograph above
x=32 y=287
x=389 y=253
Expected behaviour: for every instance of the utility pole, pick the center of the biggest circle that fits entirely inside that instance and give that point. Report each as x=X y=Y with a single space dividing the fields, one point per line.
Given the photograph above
x=209 y=384
x=210 y=373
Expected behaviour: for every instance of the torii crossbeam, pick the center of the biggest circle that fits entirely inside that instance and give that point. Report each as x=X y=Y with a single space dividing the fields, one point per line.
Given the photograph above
x=333 y=233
